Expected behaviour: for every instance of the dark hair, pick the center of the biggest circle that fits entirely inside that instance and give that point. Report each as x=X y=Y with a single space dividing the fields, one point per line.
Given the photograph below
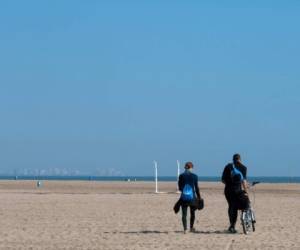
x=188 y=165
x=236 y=158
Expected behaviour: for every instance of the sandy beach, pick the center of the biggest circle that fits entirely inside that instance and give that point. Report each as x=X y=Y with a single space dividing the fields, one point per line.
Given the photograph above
x=128 y=215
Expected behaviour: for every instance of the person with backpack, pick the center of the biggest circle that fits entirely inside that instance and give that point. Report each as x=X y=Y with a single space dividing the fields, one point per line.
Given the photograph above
x=235 y=179
x=188 y=185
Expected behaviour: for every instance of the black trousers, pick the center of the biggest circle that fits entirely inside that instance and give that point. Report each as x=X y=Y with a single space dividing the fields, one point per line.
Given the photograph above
x=232 y=207
x=184 y=209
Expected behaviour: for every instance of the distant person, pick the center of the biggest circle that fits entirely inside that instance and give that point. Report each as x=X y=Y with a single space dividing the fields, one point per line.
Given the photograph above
x=188 y=185
x=235 y=179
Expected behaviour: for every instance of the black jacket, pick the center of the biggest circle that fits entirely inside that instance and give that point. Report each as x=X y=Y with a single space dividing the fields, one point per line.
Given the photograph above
x=226 y=177
x=190 y=178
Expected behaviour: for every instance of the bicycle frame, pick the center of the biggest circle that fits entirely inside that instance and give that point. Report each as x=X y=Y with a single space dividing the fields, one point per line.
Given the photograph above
x=248 y=217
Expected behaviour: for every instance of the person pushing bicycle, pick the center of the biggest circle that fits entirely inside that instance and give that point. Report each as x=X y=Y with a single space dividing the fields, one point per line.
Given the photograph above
x=236 y=192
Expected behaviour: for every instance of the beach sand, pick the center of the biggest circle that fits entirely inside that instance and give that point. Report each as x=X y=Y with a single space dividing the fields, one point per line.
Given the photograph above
x=128 y=215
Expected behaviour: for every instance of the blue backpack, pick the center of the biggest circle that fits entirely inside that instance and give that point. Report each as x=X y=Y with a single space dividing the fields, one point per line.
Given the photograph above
x=236 y=175
x=187 y=193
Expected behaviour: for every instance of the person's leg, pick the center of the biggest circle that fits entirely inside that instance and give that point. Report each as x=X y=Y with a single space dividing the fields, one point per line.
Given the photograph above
x=184 y=214
x=192 y=219
x=227 y=196
x=232 y=211
x=233 y=214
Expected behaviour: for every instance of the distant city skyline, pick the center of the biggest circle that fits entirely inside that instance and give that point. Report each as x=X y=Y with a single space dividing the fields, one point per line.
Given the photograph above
x=61 y=172
x=101 y=85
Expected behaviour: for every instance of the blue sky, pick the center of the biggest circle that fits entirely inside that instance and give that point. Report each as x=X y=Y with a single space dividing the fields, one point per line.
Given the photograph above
x=96 y=85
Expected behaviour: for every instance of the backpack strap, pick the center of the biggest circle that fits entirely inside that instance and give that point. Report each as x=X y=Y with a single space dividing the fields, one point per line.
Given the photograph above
x=233 y=168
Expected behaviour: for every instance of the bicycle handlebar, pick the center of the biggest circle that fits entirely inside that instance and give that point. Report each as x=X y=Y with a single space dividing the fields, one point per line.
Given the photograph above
x=254 y=183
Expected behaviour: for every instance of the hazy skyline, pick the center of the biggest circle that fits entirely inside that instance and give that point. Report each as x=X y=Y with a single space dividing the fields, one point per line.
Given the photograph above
x=115 y=85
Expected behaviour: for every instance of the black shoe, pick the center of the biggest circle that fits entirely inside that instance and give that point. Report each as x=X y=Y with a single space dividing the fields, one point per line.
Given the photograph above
x=232 y=230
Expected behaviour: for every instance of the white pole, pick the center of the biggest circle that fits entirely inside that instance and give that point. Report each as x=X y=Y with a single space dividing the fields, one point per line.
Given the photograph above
x=155 y=168
x=178 y=169
x=178 y=173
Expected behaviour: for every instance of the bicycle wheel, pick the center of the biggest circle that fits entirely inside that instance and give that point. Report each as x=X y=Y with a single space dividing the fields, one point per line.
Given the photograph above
x=253 y=226
x=245 y=228
x=244 y=222
x=253 y=221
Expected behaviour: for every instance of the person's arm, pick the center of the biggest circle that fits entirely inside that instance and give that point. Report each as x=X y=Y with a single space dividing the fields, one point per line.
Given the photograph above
x=245 y=185
x=245 y=182
x=197 y=187
x=180 y=184
x=224 y=175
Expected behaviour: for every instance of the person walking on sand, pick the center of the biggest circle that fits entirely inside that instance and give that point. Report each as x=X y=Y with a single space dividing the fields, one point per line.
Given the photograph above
x=188 y=185
x=235 y=179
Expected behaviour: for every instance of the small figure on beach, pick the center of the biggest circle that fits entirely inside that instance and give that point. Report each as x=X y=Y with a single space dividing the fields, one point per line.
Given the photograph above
x=235 y=179
x=188 y=185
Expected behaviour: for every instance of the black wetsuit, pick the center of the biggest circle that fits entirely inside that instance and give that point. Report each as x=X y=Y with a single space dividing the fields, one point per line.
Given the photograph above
x=192 y=179
x=232 y=190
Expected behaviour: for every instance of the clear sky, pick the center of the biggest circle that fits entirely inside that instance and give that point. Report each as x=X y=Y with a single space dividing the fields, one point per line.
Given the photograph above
x=97 y=85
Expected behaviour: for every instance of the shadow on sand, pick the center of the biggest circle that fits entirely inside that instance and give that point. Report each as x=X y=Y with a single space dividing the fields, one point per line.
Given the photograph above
x=206 y=232
x=212 y=232
x=139 y=232
x=166 y=232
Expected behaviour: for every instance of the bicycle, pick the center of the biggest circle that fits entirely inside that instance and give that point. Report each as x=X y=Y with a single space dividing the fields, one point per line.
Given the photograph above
x=248 y=216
